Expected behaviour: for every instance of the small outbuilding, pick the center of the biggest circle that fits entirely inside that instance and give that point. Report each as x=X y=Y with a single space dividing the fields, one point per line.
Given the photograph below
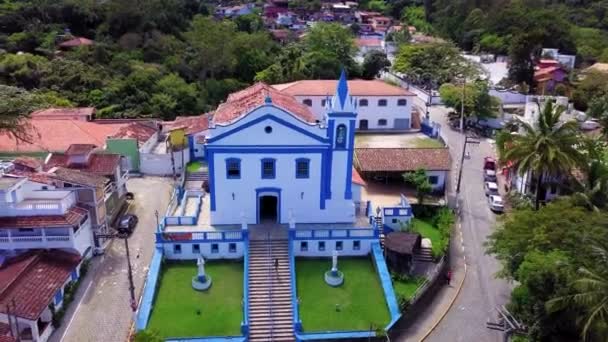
x=400 y=248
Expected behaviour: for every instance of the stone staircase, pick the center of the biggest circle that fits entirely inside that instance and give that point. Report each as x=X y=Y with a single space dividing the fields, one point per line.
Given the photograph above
x=197 y=176
x=425 y=254
x=270 y=309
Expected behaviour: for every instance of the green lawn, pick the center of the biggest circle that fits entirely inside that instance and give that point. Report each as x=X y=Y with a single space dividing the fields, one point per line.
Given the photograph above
x=360 y=298
x=427 y=230
x=195 y=166
x=407 y=287
x=174 y=313
x=427 y=143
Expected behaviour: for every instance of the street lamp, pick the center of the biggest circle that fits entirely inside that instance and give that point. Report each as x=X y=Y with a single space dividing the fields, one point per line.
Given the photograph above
x=133 y=302
x=467 y=140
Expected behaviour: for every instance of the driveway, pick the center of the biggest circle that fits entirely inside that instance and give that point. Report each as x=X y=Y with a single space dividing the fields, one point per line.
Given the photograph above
x=481 y=291
x=101 y=309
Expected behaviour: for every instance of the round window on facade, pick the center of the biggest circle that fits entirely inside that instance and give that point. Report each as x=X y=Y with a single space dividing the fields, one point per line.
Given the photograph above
x=268 y=129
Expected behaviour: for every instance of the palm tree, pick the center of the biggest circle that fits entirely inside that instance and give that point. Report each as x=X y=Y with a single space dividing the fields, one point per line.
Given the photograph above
x=547 y=148
x=591 y=295
x=592 y=191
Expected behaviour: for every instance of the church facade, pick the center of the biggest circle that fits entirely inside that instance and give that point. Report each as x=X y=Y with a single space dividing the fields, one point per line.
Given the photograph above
x=271 y=160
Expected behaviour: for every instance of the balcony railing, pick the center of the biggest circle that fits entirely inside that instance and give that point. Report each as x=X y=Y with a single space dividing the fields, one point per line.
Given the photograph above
x=39 y=206
x=329 y=234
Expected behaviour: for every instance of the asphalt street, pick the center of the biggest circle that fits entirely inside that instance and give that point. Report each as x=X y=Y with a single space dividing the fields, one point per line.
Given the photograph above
x=482 y=291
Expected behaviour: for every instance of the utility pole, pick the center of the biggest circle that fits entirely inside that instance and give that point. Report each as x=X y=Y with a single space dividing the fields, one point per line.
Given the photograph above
x=131 y=286
x=464 y=82
x=467 y=140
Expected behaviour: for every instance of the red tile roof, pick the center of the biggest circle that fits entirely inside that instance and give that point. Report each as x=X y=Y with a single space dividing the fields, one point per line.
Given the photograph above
x=28 y=162
x=77 y=177
x=402 y=159
x=193 y=124
x=80 y=113
x=79 y=149
x=31 y=281
x=328 y=87
x=5 y=333
x=78 y=41
x=547 y=70
x=57 y=135
x=242 y=102
x=140 y=131
x=368 y=42
x=71 y=219
x=99 y=163
x=357 y=179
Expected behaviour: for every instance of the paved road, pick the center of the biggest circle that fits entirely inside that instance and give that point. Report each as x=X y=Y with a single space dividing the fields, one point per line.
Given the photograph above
x=101 y=309
x=481 y=291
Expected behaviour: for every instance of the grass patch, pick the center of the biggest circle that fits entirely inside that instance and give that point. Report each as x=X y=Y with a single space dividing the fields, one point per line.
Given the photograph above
x=427 y=230
x=361 y=298
x=405 y=287
x=174 y=313
x=426 y=143
x=193 y=166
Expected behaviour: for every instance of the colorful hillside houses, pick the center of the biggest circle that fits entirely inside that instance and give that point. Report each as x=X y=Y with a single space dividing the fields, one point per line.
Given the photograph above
x=282 y=188
x=548 y=74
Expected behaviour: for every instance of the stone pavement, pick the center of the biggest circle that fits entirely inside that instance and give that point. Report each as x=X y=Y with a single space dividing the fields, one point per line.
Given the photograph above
x=101 y=308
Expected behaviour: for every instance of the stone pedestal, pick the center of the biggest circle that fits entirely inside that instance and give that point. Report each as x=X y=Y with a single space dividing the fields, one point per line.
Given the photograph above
x=201 y=283
x=334 y=278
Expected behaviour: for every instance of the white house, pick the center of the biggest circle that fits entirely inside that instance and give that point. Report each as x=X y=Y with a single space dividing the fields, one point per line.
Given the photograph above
x=379 y=105
x=37 y=215
x=567 y=61
x=272 y=160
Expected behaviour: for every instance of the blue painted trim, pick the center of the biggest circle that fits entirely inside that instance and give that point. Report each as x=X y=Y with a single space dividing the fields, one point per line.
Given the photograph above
x=329 y=175
x=348 y=193
x=191 y=146
x=277 y=191
x=344 y=144
x=387 y=283
x=348 y=115
x=297 y=323
x=274 y=168
x=210 y=163
x=145 y=306
x=208 y=339
x=268 y=149
x=324 y=181
x=262 y=118
x=283 y=147
x=335 y=238
x=307 y=173
x=245 y=323
x=230 y=161
x=334 y=335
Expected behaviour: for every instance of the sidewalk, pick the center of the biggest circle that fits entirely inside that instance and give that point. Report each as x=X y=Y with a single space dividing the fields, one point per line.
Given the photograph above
x=427 y=319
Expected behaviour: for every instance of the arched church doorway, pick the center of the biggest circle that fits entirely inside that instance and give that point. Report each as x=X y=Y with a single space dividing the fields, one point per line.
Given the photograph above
x=268 y=209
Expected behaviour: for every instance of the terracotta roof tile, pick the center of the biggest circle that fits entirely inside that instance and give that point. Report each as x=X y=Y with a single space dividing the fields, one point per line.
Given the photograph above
x=368 y=42
x=140 y=131
x=402 y=159
x=79 y=113
x=328 y=87
x=71 y=218
x=357 y=179
x=28 y=162
x=78 y=41
x=32 y=281
x=77 y=177
x=193 y=124
x=57 y=135
x=99 y=163
x=242 y=102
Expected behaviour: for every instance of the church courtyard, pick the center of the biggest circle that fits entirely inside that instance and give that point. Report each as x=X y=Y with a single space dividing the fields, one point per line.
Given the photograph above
x=180 y=311
x=358 y=304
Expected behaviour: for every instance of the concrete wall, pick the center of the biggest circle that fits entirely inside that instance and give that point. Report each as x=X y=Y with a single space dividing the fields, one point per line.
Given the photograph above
x=372 y=112
x=348 y=247
x=187 y=252
x=160 y=164
x=126 y=148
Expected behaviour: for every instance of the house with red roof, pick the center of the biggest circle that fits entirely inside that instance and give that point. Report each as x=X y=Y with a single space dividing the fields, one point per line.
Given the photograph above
x=75 y=43
x=33 y=286
x=548 y=74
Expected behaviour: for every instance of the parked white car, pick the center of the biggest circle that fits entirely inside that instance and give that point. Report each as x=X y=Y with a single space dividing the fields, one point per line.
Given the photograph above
x=496 y=204
x=491 y=188
x=489 y=175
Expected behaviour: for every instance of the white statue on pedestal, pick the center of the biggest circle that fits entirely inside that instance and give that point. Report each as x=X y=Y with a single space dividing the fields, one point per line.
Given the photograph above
x=201 y=269
x=334 y=261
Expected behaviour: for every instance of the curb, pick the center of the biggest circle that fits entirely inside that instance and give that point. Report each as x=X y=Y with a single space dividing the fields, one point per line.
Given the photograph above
x=450 y=305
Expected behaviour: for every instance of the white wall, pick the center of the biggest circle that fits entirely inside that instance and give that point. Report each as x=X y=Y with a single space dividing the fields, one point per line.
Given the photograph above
x=147 y=146
x=372 y=112
x=330 y=245
x=160 y=164
x=440 y=178
x=205 y=251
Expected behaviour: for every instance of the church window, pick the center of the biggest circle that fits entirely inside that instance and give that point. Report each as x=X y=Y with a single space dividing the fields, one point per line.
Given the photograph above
x=402 y=102
x=341 y=136
x=196 y=248
x=215 y=248
x=321 y=246
x=382 y=122
x=356 y=245
x=304 y=246
x=268 y=168
x=177 y=248
x=323 y=103
x=382 y=103
x=307 y=102
x=339 y=245
x=233 y=168
x=363 y=103
x=268 y=129
x=302 y=168
x=232 y=247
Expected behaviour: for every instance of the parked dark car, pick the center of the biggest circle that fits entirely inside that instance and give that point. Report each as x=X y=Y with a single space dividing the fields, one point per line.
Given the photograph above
x=129 y=195
x=127 y=224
